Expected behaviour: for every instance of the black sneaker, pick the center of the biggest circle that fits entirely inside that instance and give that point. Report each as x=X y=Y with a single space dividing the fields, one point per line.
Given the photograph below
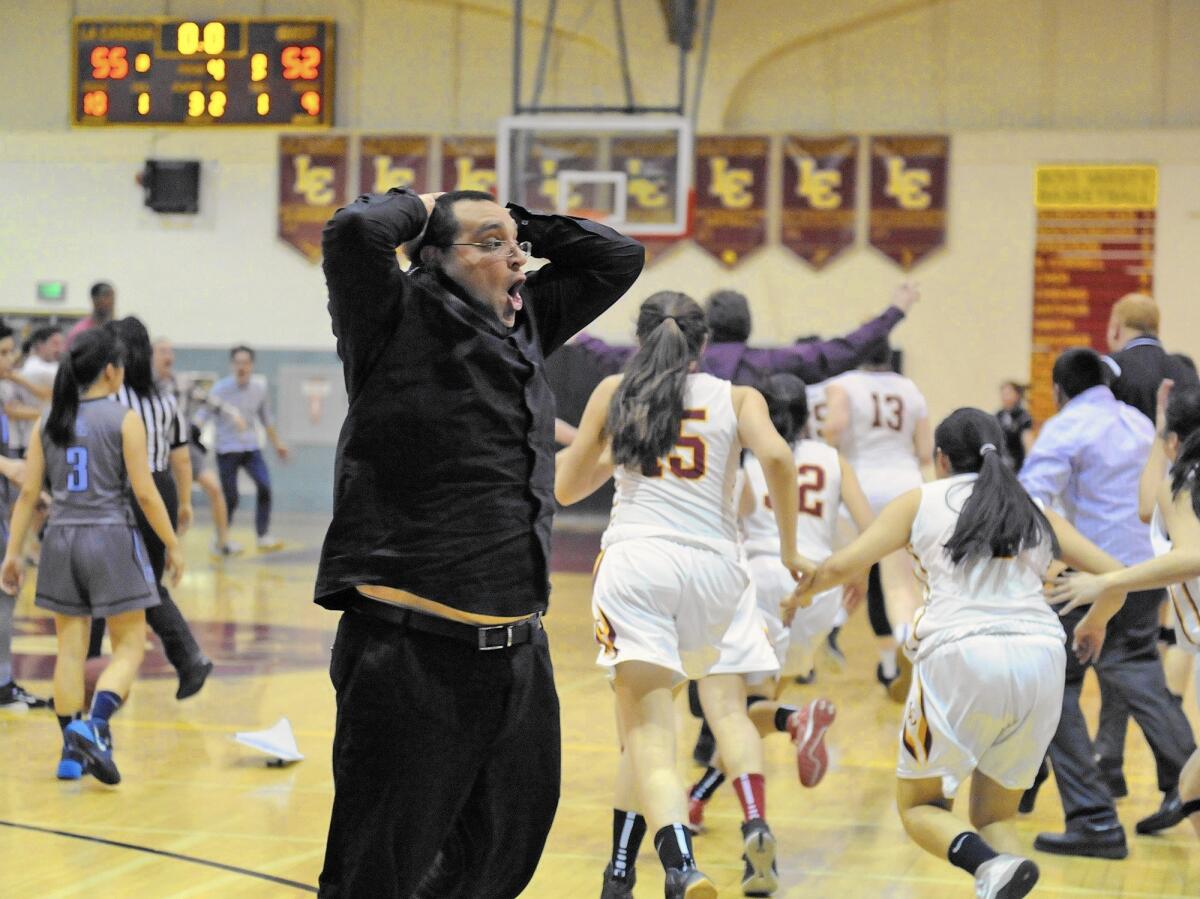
x=617 y=887
x=883 y=678
x=93 y=741
x=760 y=876
x=1029 y=797
x=192 y=678
x=15 y=698
x=1169 y=814
x=689 y=883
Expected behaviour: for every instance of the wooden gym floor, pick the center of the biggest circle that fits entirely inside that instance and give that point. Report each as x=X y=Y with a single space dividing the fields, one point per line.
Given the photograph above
x=198 y=815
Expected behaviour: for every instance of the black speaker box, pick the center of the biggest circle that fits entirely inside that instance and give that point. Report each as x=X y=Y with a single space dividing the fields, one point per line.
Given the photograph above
x=172 y=185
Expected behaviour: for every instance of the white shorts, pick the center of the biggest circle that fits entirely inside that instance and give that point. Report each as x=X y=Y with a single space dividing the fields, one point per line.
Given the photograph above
x=655 y=600
x=882 y=485
x=986 y=703
x=745 y=647
x=794 y=646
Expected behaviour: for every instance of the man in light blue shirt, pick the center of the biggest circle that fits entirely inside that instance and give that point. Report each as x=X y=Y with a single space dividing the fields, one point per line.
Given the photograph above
x=1087 y=461
x=238 y=448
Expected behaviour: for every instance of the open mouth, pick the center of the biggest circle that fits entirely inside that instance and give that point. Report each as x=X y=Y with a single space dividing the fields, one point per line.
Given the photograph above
x=514 y=295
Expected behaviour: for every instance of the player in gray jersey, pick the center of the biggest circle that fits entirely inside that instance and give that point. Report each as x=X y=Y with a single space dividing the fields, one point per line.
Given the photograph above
x=13 y=697
x=91 y=452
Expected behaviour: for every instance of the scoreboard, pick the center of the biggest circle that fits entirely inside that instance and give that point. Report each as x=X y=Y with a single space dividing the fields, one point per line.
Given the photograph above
x=200 y=73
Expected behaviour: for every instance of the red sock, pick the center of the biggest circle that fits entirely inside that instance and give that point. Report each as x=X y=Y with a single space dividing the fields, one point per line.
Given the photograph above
x=751 y=791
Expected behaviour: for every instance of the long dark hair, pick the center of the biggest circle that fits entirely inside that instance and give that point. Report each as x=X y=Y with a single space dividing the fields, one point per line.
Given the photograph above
x=78 y=369
x=139 y=353
x=1183 y=420
x=787 y=403
x=999 y=518
x=647 y=407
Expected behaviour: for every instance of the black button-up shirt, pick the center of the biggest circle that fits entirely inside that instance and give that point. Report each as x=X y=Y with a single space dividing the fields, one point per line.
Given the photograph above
x=444 y=480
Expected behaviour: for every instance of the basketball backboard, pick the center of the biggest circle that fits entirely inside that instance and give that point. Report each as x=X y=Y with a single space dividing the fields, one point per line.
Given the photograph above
x=632 y=172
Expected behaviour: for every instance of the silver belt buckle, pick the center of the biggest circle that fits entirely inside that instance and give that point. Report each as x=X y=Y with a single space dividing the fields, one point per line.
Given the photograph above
x=508 y=628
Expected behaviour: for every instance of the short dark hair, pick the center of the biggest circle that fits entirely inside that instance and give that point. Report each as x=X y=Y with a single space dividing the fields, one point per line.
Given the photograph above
x=101 y=287
x=728 y=314
x=241 y=348
x=6 y=331
x=1079 y=369
x=1185 y=360
x=42 y=334
x=879 y=353
x=787 y=403
x=442 y=227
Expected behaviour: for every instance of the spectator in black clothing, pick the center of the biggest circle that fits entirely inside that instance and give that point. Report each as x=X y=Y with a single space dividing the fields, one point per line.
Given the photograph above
x=1015 y=422
x=446 y=753
x=1138 y=359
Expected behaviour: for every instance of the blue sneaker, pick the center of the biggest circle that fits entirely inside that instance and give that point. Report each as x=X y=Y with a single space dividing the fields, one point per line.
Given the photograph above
x=71 y=765
x=92 y=740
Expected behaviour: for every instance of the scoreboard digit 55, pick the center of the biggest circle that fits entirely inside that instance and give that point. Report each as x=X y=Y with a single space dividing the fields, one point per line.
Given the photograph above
x=197 y=72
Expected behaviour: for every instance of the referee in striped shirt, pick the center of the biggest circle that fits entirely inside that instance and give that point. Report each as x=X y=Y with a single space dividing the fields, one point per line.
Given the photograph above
x=171 y=467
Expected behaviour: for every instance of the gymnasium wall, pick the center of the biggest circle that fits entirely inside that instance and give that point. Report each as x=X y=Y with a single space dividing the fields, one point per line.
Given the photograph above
x=1015 y=82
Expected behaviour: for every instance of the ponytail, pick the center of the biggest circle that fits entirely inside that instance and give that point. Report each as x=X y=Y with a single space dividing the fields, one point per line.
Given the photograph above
x=998 y=519
x=79 y=368
x=647 y=409
x=787 y=404
x=1183 y=420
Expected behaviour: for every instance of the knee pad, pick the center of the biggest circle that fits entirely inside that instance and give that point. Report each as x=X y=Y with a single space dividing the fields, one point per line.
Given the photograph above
x=876 y=609
x=694 y=699
x=755 y=697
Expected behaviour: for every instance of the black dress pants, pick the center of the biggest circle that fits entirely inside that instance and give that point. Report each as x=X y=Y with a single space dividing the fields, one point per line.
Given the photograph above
x=165 y=619
x=446 y=765
x=1129 y=667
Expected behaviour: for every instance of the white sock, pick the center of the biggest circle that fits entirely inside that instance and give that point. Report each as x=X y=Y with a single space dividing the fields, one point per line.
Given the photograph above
x=887 y=661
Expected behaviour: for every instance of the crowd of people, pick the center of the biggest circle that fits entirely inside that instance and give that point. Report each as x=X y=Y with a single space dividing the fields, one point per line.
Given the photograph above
x=725 y=563
x=100 y=442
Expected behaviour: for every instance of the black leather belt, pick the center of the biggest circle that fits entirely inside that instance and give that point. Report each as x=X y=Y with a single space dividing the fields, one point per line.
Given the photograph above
x=483 y=637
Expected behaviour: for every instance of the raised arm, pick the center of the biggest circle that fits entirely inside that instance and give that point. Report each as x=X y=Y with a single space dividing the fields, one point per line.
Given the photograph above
x=813 y=362
x=363 y=274
x=590 y=268
x=586 y=464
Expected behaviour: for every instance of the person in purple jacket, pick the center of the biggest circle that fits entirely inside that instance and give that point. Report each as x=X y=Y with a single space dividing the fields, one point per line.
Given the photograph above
x=729 y=357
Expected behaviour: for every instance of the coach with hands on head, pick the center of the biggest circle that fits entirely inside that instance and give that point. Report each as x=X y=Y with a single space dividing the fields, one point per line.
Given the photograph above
x=446 y=755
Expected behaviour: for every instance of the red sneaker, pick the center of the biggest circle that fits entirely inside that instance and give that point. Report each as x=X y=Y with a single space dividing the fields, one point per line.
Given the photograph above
x=696 y=815
x=807 y=727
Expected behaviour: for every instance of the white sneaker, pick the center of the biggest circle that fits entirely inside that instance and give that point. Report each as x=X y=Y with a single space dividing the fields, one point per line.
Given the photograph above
x=267 y=543
x=1005 y=877
x=229 y=549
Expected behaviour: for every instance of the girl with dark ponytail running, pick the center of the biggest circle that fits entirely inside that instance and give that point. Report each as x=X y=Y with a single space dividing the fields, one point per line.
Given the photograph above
x=91 y=451
x=1170 y=477
x=670 y=579
x=989 y=665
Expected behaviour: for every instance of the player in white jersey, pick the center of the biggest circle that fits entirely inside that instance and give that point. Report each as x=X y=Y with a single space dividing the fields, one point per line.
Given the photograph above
x=670 y=579
x=990 y=664
x=880 y=422
x=1175 y=534
x=824 y=480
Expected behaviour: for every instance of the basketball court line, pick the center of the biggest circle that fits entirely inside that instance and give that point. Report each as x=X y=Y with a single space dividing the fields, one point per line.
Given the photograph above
x=163 y=853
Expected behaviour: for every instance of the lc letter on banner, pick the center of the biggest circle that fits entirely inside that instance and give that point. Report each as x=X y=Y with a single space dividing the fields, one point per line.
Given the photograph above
x=731 y=196
x=469 y=163
x=387 y=161
x=820 y=177
x=908 y=196
x=312 y=185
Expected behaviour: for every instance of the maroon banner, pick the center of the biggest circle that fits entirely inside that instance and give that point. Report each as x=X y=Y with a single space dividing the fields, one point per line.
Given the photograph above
x=820 y=181
x=469 y=163
x=312 y=185
x=731 y=196
x=546 y=157
x=908 y=196
x=387 y=161
x=652 y=187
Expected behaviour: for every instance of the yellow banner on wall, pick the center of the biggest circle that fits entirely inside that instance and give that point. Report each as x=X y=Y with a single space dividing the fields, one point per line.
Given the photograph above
x=1096 y=187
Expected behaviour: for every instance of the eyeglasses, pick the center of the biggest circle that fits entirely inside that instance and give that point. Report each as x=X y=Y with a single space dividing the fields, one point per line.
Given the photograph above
x=495 y=246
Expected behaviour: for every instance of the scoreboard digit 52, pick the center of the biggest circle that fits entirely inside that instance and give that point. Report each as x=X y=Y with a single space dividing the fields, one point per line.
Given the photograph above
x=197 y=72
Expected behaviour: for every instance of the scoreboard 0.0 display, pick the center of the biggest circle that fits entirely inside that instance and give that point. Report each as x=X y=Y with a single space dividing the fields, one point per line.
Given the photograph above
x=197 y=72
